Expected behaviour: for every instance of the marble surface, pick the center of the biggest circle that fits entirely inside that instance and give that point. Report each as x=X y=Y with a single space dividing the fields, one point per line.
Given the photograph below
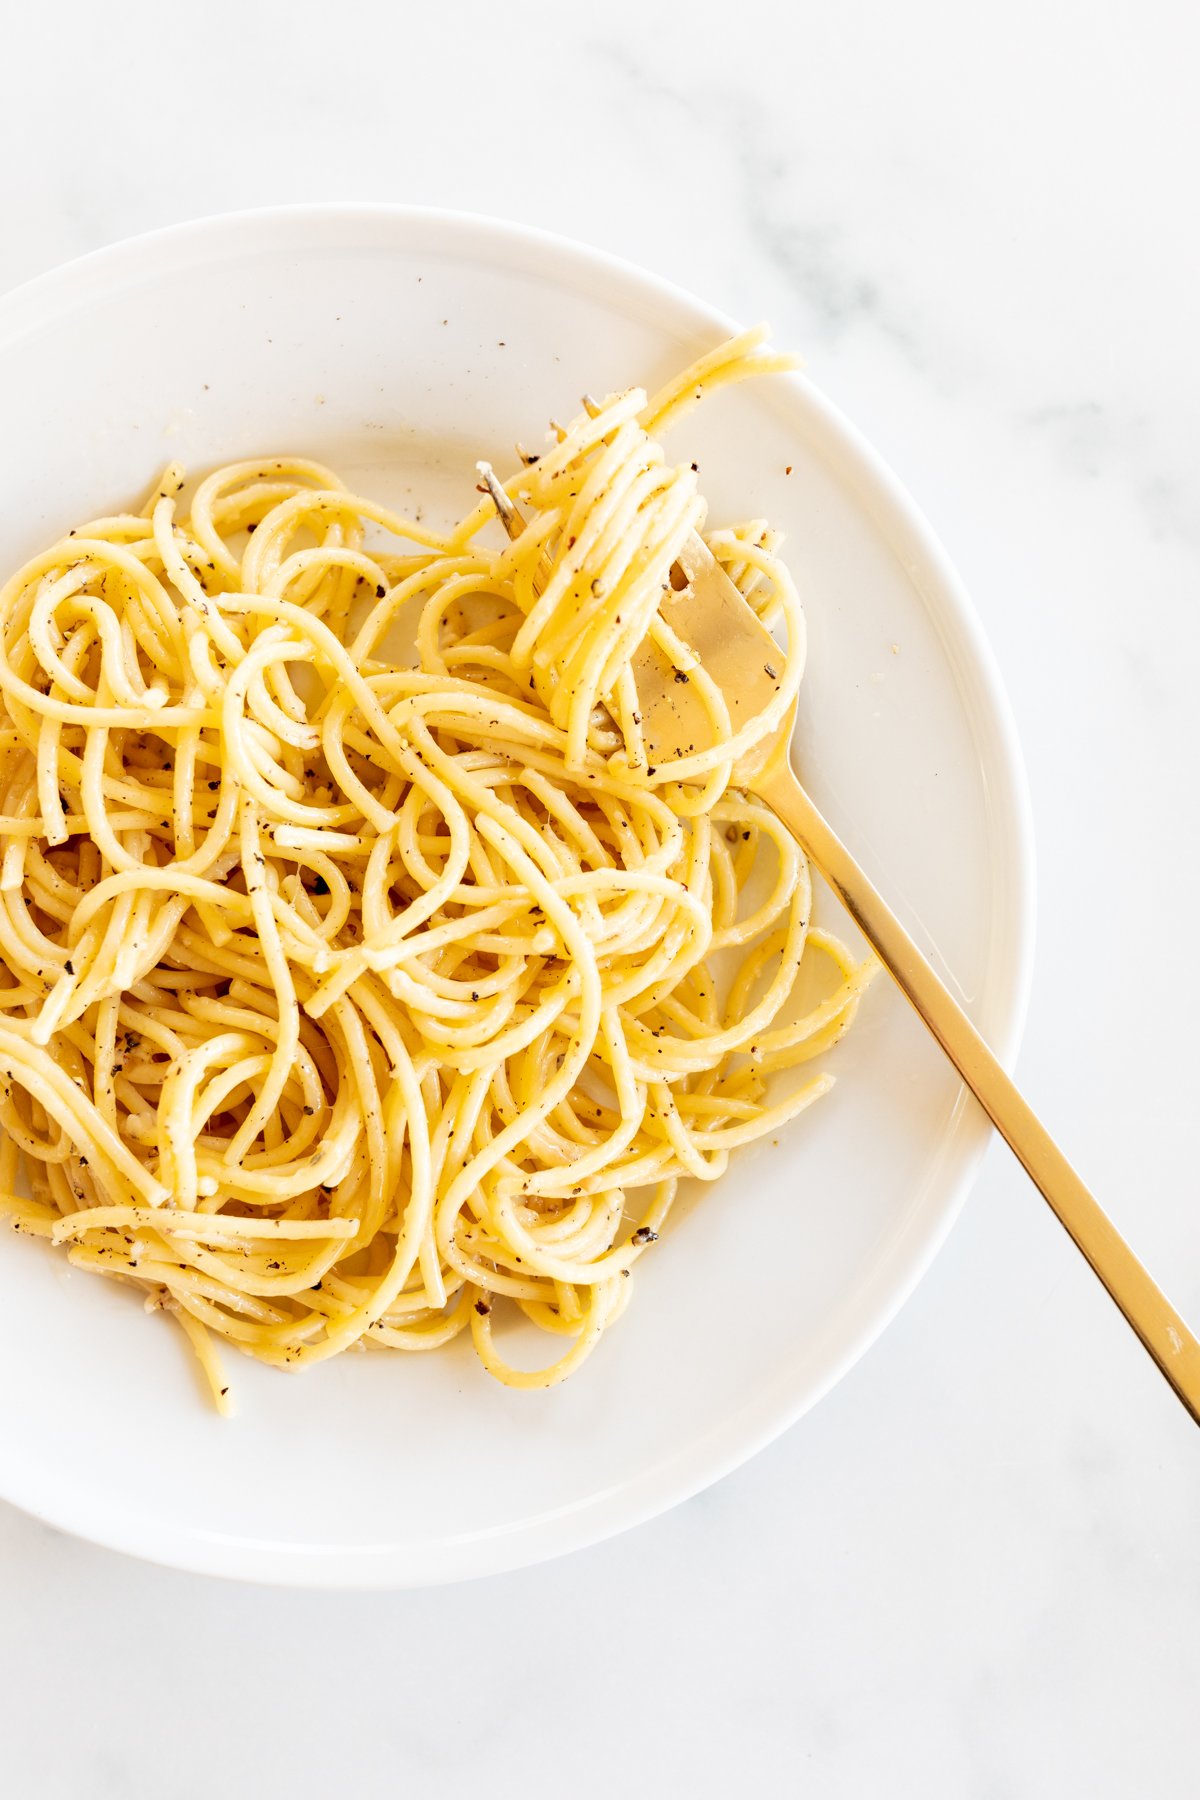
x=974 y=1571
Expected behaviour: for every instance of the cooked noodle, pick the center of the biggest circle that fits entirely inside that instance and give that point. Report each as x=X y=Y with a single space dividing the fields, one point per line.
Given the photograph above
x=341 y=999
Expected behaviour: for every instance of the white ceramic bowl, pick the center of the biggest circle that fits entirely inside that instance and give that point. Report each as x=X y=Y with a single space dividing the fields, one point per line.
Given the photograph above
x=400 y=345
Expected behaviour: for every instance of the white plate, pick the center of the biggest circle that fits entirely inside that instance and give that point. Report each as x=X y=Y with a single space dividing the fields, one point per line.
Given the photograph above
x=400 y=345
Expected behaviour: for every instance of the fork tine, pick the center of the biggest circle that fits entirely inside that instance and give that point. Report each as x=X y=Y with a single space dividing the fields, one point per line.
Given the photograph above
x=510 y=517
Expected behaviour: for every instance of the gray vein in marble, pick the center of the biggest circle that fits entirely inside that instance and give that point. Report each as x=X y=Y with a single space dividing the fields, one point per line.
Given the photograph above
x=814 y=258
x=844 y=297
x=1094 y=441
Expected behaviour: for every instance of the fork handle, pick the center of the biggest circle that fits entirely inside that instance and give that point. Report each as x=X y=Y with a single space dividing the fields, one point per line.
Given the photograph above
x=1144 y=1305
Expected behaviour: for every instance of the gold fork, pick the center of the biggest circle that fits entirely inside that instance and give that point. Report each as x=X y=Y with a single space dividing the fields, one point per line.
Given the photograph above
x=736 y=649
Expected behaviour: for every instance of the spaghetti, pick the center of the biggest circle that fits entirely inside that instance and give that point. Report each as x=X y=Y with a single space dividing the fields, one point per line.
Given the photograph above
x=340 y=999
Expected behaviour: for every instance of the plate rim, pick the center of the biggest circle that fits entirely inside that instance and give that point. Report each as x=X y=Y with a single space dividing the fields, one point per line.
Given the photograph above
x=72 y=285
